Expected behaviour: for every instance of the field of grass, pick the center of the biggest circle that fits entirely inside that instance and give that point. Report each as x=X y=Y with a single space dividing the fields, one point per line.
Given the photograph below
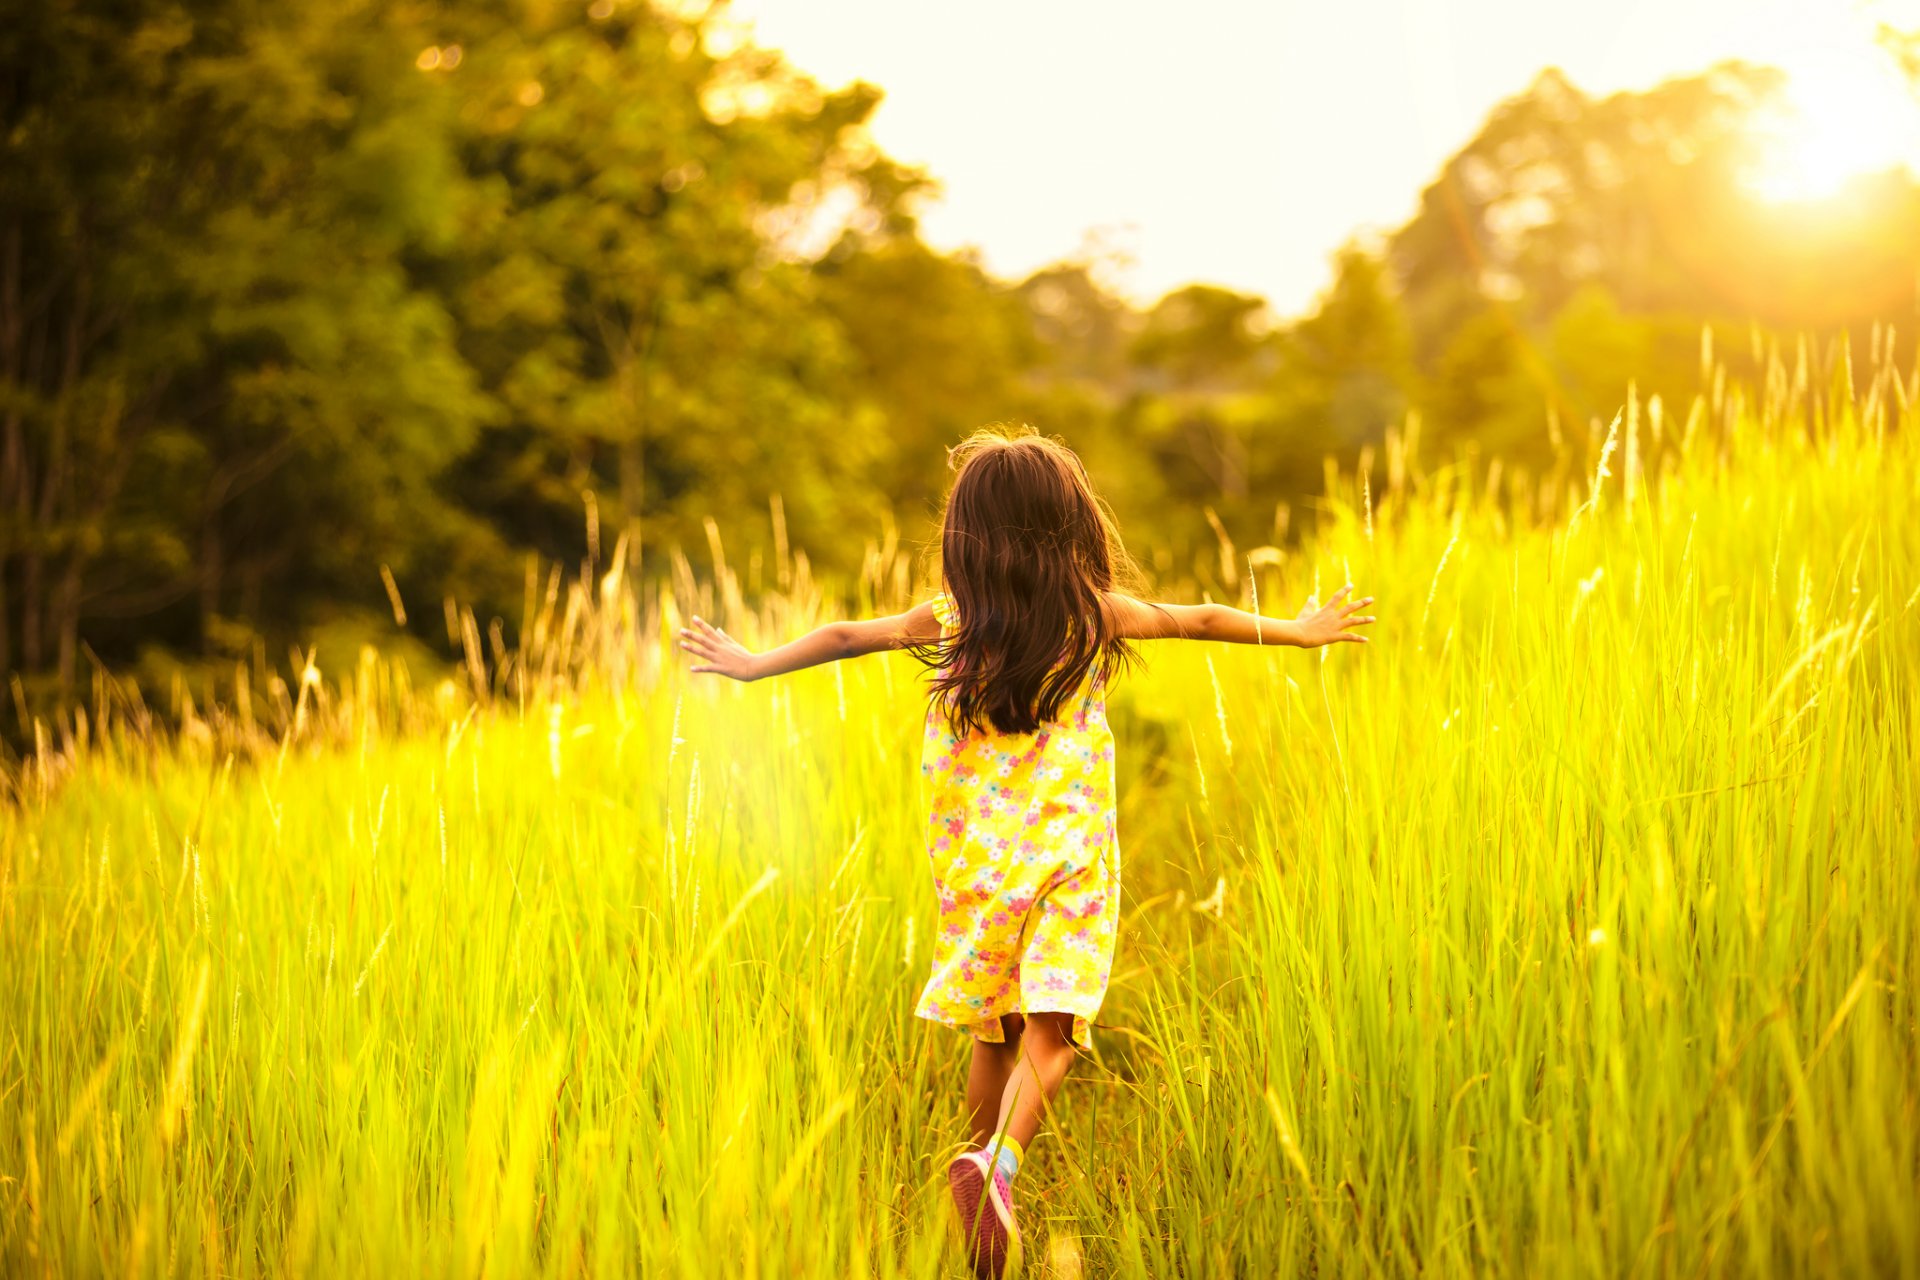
x=1569 y=929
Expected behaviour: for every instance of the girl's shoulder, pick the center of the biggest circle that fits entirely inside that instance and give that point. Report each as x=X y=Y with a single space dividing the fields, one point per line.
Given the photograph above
x=943 y=610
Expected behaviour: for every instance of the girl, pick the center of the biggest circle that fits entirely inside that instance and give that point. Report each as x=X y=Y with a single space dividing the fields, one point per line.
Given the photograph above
x=1018 y=766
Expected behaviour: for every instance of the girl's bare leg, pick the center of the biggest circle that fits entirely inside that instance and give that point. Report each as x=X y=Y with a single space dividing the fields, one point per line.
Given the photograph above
x=987 y=1079
x=1045 y=1054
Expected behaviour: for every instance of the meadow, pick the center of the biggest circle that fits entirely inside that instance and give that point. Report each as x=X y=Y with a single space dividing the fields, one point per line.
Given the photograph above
x=1567 y=929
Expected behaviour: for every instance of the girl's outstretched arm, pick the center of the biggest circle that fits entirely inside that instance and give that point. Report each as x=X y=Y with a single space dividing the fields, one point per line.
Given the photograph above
x=716 y=651
x=1317 y=624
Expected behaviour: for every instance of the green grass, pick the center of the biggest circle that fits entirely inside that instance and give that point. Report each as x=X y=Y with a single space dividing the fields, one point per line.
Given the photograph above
x=1569 y=929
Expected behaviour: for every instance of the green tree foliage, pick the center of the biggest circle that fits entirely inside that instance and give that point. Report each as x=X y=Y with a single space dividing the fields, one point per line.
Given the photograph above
x=631 y=299
x=290 y=293
x=938 y=348
x=1576 y=244
x=1347 y=368
x=1198 y=349
x=222 y=391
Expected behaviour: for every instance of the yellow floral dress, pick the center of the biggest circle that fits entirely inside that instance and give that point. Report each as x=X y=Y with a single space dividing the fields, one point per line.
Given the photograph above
x=1026 y=865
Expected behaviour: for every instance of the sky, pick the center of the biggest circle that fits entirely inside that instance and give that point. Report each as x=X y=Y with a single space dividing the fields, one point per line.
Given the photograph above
x=1242 y=142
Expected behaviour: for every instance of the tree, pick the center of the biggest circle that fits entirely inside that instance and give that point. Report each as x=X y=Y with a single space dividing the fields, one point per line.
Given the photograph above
x=1558 y=191
x=1202 y=338
x=1345 y=372
x=209 y=349
x=622 y=295
x=1575 y=245
x=288 y=294
x=938 y=351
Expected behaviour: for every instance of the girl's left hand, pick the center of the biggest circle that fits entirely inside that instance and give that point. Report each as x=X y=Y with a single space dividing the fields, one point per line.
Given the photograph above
x=717 y=651
x=1331 y=623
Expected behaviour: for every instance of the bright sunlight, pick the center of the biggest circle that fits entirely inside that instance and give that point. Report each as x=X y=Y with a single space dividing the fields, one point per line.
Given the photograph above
x=1847 y=114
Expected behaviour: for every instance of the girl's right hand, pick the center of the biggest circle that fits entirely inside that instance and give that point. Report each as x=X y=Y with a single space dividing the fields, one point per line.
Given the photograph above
x=717 y=651
x=1331 y=623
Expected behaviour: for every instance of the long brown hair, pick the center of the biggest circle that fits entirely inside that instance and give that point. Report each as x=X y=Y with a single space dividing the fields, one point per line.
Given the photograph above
x=1027 y=550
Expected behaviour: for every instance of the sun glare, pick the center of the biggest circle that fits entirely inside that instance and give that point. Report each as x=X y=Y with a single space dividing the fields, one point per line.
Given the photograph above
x=1847 y=113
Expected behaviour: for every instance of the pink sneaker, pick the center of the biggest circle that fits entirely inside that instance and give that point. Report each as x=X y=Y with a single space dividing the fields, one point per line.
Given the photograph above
x=983 y=1201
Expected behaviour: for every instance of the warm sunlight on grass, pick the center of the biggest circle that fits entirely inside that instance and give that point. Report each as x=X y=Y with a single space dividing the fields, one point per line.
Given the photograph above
x=1568 y=930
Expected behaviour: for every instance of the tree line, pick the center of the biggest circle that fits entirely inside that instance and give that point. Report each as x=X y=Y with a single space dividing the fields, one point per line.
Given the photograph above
x=300 y=302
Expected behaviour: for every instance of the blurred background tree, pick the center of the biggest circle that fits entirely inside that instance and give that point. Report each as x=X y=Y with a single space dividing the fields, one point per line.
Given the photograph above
x=291 y=294
x=223 y=393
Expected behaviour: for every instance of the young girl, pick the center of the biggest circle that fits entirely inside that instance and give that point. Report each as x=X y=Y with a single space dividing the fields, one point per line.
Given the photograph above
x=1018 y=765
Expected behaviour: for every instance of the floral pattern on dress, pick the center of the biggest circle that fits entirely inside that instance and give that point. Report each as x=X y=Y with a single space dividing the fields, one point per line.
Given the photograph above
x=1026 y=866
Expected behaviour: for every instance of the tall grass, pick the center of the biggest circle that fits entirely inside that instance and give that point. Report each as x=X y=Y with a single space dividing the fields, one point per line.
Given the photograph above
x=1569 y=929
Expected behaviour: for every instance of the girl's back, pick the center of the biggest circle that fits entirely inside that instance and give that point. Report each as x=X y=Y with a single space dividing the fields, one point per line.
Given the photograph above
x=1026 y=863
